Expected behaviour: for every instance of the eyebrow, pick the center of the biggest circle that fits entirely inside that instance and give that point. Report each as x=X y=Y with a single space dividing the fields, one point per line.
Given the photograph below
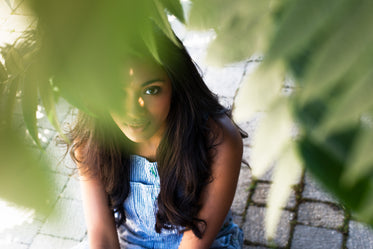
x=151 y=81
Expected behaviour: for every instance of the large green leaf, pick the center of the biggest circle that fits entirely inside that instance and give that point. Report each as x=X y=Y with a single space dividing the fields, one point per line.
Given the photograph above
x=242 y=38
x=160 y=18
x=300 y=23
x=348 y=108
x=14 y=62
x=340 y=51
x=175 y=8
x=258 y=91
x=329 y=170
x=47 y=97
x=268 y=142
x=23 y=176
x=360 y=161
x=241 y=27
x=286 y=174
x=29 y=105
x=3 y=74
x=9 y=98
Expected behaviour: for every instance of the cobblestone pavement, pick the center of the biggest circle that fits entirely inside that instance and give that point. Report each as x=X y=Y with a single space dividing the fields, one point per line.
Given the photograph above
x=312 y=219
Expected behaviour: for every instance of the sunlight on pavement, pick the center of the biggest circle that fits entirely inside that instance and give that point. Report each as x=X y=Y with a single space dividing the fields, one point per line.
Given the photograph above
x=12 y=215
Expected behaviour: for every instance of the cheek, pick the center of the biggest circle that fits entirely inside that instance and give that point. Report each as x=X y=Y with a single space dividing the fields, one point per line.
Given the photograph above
x=160 y=109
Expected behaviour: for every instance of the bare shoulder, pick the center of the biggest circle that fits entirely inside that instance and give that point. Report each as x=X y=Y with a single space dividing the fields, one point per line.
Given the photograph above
x=227 y=132
x=228 y=139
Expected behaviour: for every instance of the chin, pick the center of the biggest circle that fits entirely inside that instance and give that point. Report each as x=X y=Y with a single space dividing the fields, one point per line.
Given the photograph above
x=136 y=138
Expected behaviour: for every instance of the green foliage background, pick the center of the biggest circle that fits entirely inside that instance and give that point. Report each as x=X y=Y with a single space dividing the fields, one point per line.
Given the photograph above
x=324 y=46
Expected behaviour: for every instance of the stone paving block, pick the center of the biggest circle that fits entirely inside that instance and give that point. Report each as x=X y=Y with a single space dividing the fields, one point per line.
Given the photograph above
x=43 y=241
x=254 y=247
x=242 y=191
x=320 y=215
x=360 y=236
x=58 y=183
x=69 y=120
x=247 y=149
x=21 y=234
x=261 y=194
x=254 y=230
x=58 y=163
x=66 y=220
x=224 y=81
x=250 y=126
x=72 y=190
x=62 y=110
x=306 y=237
x=267 y=176
x=237 y=219
x=313 y=190
x=12 y=245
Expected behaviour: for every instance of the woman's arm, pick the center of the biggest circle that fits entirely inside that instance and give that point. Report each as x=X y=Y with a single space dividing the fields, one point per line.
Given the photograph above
x=99 y=218
x=218 y=195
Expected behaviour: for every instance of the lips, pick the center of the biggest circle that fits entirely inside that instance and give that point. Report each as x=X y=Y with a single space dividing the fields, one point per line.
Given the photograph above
x=137 y=124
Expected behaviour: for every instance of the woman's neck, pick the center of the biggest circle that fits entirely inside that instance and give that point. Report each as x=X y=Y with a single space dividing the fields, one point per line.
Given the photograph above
x=148 y=149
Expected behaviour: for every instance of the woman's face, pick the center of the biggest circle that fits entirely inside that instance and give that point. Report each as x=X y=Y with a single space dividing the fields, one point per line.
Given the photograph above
x=146 y=104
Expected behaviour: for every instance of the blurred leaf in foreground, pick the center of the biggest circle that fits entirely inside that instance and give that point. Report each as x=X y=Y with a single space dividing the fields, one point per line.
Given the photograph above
x=24 y=178
x=327 y=48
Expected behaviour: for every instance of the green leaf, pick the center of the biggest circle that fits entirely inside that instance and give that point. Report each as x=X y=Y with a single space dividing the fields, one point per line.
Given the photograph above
x=329 y=171
x=14 y=62
x=242 y=27
x=340 y=51
x=9 y=98
x=258 y=91
x=360 y=161
x=175 y=8
x=242 y=38
x=269 y=142
x=3 y=73
x=160 y=18
x=301 y=21
x=47 y=97
x=287 y=172
x=202 y=16
x=206 y=14
x=29 y=106
x=348 y=108
x=23 y=176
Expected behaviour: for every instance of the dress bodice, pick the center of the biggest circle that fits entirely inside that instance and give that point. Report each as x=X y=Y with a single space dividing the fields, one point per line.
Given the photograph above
x=138 y=232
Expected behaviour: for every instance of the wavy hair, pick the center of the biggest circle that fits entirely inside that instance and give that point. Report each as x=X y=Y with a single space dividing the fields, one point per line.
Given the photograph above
x=184 y=155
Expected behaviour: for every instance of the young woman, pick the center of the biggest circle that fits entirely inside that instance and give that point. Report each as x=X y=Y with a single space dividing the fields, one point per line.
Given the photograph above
x=160 y=170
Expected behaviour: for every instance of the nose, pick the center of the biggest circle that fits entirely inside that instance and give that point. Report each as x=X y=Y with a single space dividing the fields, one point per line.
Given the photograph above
x=134 y=105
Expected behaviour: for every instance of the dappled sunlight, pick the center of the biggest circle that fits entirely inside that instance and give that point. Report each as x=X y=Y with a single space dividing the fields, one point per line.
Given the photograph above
x=12 y=215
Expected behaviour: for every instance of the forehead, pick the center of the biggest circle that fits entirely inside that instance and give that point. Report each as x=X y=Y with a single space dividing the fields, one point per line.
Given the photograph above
x=138 y=71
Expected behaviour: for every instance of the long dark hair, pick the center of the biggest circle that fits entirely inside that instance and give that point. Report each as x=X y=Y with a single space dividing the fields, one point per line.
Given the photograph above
x=184 y=155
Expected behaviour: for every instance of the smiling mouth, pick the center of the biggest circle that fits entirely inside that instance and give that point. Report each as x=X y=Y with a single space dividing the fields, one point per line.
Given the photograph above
x=137 y=124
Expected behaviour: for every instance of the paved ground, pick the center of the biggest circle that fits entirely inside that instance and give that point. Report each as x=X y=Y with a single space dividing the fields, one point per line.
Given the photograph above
x=312 y=219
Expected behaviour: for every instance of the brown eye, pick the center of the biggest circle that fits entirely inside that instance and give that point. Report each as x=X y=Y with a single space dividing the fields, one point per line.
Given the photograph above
x=153 y=90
